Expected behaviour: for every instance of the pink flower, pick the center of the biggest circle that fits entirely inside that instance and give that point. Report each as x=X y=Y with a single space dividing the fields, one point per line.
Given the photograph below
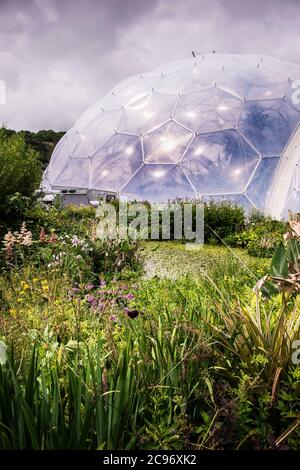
x=89 y=286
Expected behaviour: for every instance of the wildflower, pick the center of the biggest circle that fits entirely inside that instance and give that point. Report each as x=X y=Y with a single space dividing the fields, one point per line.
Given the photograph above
x=53 y=238
x=25 y=236
x=75 y=241
x=90 y=298
x=9 y=243
x=42 y=236
x=113 y=318
x=89 y=286
x=129 y=296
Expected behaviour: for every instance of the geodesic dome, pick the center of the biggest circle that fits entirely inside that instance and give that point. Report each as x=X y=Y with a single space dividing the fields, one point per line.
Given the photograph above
x=217 y=126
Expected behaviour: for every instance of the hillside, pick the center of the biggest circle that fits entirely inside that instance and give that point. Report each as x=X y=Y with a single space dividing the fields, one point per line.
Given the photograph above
x=42 y=141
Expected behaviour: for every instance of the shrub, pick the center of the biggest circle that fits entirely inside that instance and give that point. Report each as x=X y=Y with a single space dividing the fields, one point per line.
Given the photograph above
x=261 y=236
x=20 y=174
x=222 y=220
x=63 y=220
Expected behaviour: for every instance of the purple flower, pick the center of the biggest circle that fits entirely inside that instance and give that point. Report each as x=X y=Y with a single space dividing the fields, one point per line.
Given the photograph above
x=89 y=286
x=113 y=318
x=90 y=298
x=75 y=241
x=102 y=283
x=129 y=296
x=75 y=289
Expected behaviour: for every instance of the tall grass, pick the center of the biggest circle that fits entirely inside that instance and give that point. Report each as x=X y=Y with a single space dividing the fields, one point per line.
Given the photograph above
x=162 y=380
x=77 y=405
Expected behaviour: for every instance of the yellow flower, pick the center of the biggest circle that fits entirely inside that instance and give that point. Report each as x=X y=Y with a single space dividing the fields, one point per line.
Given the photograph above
x=25 y=285
x=13 y=311
x=35 y=279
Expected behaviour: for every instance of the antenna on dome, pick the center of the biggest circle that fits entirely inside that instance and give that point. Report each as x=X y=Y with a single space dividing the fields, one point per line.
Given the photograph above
x=195 y=53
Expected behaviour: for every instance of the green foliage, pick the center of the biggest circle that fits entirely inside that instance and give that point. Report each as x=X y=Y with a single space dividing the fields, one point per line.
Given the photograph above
x=222 y=220
x=261 y=236
x=19 y=170
x=185 y=357
x=43 y=142
x=61 y=220
x=62 y=403
x=284 y=275
x=20 y=174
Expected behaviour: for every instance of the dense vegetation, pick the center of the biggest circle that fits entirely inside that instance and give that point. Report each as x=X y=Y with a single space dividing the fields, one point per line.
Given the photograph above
x=42 y=142
x=118 y=344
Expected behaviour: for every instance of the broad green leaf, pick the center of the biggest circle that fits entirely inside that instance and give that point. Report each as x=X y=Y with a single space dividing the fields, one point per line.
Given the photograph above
x=279 y=266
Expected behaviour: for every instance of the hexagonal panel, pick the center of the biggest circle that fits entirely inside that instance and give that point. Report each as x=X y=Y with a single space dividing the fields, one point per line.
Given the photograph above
x=88 y=116
x=173 y=83
x=267 y=125
x=146 y=112
x=254 y=80
x=166 y=144
x=293 y=111
x=293 y=200
x=92 y=137
x=208 y=110
x=73 y=174
x=202 y=75
x=158 y=183
x=115 y=163
x=65 y=147
x=129 y=90
x=259 y=187
x=220 y=162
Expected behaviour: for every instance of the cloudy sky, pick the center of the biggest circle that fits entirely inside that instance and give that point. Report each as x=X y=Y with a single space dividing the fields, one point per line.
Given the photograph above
x=60 y=56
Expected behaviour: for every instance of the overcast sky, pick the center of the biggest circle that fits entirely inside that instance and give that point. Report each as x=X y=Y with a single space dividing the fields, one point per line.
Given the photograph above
x=60 y=56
